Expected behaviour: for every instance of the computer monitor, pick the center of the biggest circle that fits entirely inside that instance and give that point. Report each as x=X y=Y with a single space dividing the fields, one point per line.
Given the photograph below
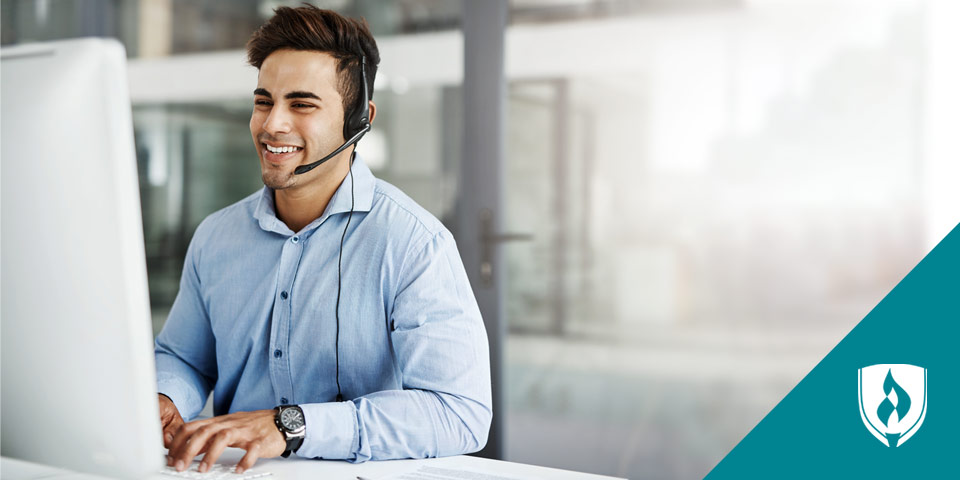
x=78 y=378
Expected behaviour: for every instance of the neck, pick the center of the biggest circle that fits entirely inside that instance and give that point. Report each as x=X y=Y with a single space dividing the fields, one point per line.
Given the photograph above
x=298 y=206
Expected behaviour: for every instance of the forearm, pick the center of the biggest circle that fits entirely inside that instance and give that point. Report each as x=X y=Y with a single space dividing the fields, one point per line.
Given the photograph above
x=395 y=424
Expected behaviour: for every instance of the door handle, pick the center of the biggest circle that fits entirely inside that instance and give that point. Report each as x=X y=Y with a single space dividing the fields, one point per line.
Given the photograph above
x=488 y=240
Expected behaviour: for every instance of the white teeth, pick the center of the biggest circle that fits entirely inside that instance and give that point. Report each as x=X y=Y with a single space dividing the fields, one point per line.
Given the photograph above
x=282 y=149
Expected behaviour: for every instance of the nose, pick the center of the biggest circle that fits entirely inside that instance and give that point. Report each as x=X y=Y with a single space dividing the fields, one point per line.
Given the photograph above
x=277 y=121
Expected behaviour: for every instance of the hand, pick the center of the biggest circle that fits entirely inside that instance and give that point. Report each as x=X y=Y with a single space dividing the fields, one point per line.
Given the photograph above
x=170 y=419
x=254 y=432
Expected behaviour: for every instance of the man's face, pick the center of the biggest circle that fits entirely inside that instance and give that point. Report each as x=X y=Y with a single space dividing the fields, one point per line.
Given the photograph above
x=296 y=107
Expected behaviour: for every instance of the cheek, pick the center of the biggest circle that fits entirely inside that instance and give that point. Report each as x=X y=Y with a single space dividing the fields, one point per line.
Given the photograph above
x=326 y=131
x=312 y=134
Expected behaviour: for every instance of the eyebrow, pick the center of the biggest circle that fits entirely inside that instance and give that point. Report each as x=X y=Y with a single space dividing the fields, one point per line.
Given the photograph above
x=289 y=96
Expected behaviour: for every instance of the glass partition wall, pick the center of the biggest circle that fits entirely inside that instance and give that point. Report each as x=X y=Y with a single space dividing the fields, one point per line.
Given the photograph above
x=710 y=214
x=193 y=159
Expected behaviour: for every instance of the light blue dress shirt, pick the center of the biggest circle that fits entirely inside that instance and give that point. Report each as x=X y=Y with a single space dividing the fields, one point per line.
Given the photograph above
x=255 y=321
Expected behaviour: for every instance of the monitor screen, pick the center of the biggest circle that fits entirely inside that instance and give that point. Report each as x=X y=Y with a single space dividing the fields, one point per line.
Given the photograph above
x=78 y=378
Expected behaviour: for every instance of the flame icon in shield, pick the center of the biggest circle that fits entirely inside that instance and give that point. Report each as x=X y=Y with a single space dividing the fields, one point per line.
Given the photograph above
x=893 y=401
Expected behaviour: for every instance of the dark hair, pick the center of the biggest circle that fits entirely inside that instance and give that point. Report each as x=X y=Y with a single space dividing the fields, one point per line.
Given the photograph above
x=312 y=28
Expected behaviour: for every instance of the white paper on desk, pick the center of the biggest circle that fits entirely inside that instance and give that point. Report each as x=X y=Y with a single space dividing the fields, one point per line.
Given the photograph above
x=435 y=473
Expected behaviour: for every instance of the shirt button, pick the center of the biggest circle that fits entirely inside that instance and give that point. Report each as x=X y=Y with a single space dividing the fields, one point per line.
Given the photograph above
x=283 y=400
x=283 y=295
x=295 y=239
x=277 y=353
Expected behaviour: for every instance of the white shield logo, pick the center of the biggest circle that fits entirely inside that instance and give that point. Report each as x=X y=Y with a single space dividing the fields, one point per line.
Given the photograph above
x=893 y=401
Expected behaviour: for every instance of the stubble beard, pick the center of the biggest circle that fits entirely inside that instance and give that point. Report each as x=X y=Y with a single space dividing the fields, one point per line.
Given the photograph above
x=278 y=180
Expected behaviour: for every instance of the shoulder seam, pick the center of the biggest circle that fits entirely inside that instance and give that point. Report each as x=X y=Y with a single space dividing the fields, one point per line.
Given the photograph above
x=432 y=232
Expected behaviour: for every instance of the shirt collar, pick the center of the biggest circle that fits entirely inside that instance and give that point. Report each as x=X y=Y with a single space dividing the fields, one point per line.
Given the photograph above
x=364 y=184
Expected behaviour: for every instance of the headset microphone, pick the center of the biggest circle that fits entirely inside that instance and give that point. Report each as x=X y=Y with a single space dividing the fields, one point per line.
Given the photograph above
x=310 y=166
x=354 y=127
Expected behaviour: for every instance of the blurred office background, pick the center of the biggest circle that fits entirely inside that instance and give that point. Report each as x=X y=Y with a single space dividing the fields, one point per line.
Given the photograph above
x=711 y=193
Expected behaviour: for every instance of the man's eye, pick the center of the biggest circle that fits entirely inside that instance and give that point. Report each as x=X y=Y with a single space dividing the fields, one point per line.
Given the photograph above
x=261 y=102
x=302 y=105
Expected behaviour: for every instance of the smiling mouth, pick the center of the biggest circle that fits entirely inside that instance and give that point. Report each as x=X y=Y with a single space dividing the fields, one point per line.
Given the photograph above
x=279 y=154
x=284 y=149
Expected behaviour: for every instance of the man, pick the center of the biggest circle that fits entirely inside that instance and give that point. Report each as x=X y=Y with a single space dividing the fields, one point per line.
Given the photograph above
x=329 y=313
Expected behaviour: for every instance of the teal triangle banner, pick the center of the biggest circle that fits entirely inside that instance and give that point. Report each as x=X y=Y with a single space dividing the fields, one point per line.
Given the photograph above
x=884 y=402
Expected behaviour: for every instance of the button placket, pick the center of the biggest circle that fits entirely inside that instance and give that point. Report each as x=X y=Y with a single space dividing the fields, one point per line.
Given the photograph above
x=280 y=366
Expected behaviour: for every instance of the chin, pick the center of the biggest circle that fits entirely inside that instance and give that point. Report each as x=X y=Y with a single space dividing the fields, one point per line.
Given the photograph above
x=279 y=180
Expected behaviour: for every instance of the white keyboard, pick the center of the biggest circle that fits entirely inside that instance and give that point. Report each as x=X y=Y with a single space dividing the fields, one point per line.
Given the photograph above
x=216 y=472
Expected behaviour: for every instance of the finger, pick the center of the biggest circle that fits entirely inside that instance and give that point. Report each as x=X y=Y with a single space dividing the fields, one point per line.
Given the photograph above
x=253 y=453
x=170 y=430
x=198 y=424
x=180 y=437
x=194 y=445
x=198 y=443
x=217 y=444
x=183 y=433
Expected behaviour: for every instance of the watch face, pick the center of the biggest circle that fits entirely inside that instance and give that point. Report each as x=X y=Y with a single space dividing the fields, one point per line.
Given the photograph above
x=291 y=418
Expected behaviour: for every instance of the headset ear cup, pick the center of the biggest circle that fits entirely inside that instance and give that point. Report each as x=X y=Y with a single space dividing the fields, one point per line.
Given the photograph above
x=359 y=115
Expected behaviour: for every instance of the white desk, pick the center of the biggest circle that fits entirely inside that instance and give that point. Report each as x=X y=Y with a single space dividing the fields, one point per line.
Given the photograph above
x=296 y=468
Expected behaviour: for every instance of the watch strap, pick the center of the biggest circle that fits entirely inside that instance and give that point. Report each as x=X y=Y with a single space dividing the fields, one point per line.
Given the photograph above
x=293 y=444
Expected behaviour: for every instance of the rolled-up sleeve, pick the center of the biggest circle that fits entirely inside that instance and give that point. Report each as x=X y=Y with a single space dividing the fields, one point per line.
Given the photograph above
x=441 y=347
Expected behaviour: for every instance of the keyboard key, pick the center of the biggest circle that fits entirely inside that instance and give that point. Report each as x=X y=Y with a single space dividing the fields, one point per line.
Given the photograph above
x=216 y=472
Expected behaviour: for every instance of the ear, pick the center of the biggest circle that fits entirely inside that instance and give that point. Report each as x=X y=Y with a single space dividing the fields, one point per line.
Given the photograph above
x=373 y=111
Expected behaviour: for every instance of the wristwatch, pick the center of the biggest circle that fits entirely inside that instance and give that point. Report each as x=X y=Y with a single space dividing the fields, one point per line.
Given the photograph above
x=290 y=421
